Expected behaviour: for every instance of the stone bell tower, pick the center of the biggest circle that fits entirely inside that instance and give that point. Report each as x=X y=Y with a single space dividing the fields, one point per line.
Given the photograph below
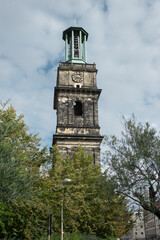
x=76 y=98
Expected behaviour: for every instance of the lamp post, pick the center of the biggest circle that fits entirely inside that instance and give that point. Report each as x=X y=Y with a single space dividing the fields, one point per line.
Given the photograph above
x=49 y=225
x=65 y=180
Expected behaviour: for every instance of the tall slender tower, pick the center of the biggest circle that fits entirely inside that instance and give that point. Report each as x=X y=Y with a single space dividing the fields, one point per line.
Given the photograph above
x=76 y=98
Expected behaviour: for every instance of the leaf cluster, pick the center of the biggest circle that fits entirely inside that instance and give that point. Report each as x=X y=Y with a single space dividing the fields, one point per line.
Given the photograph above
x=90 y=204
x=20 y=161
x=20 y=157
x=31 y=187
x=134 y=163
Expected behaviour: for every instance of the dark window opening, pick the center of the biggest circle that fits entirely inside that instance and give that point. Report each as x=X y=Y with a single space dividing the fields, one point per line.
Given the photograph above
x=77 y=86
x=77 y=108
x=76 y=44
x=70 y=47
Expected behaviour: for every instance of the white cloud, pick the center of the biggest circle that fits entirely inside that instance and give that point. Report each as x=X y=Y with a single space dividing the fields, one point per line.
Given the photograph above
x=124 y=41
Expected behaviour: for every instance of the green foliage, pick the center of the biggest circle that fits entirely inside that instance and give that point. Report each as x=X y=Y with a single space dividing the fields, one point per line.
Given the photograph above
x=21 y=212
x=134 y=162
x=28 y=195
x=90 y=205
x=75 y=236
x=20 y=157
x=23 y=220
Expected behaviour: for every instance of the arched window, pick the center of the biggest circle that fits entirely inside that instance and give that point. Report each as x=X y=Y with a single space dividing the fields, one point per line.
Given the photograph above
x=78 y=108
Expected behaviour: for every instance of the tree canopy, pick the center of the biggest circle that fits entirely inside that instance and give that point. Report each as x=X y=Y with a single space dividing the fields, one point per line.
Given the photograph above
x=90 y=205
x=134 y=163
x=31 y=188
x=20 y=156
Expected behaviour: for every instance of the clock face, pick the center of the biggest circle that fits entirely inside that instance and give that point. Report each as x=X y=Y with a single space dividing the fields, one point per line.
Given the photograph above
x=77 y=77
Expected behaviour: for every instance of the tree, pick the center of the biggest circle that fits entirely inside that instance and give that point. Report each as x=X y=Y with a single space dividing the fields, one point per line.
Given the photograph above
x=89 y=206
x=115 y=210
x=76 y=194
x=23 y=220
x=20 y=157
x=28 y=195
x=134 y=164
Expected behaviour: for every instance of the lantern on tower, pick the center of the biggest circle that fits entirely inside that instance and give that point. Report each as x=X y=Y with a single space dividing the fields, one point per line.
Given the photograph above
x=75 y=44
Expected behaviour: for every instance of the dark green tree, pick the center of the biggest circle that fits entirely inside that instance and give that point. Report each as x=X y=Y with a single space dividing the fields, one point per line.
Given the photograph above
x=89 y=206
x=28 y=195
x=20 y=159
x=134 y=164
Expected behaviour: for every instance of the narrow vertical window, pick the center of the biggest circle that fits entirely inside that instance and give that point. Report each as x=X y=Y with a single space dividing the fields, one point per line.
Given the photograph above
x=70 y=47
x=78 y=108
x=76 y=45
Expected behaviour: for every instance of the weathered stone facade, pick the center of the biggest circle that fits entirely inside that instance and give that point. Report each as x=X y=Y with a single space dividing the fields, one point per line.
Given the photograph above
x=76 y=101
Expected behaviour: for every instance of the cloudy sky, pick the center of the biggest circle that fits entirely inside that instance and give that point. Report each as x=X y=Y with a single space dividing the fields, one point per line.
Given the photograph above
x=124 y=42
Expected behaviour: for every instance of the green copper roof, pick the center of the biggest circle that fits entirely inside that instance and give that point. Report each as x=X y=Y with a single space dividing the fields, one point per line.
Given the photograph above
x=74 y=28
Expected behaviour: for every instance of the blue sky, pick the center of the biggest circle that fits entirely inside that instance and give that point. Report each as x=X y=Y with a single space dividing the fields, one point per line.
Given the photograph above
x=124 y=42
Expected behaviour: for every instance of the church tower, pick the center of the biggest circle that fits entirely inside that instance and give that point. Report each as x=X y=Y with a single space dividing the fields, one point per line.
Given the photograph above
x=76 y=98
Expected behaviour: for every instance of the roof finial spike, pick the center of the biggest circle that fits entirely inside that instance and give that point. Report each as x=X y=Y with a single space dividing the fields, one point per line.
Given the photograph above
x=75 y=22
